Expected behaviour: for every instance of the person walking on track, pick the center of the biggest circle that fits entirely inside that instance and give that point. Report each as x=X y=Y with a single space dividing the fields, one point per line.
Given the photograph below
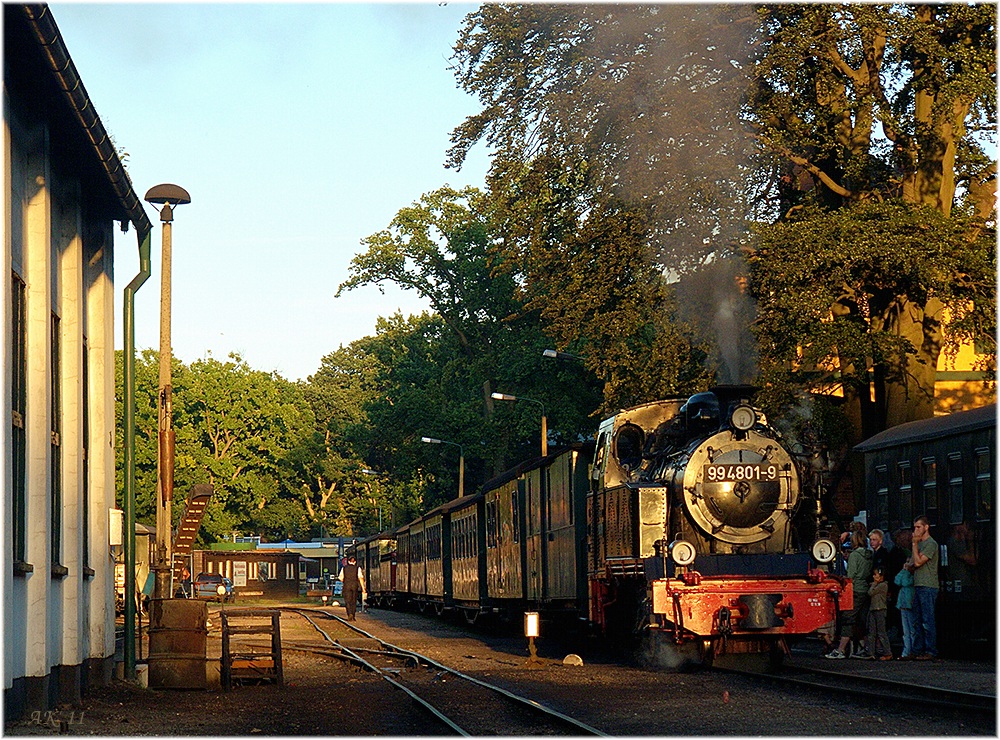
x=353 y=578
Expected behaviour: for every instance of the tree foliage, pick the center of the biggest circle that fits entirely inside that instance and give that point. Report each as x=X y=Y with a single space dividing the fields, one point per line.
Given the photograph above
x=589 y=269
x=235 y=428
x=845 y=277
x=440 y=370
x=869 y=105
x=638 y=152
x=635 y=95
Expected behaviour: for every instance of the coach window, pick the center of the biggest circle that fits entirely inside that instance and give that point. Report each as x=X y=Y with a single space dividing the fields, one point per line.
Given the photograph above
x=956 y=488
x=882 y=495
x=984 y=485
x=905 y=493
x=491 y=523
x=929 y=466
x=402 y=550
x=434 y=542
x=515 y=516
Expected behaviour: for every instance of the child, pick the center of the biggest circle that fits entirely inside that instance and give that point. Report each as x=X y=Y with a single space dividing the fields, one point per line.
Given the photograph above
x=878 y=638
x=904 y=579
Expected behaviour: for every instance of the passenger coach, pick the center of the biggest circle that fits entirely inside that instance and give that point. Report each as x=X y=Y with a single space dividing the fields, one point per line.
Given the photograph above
x=944 y=468
x=517 y=544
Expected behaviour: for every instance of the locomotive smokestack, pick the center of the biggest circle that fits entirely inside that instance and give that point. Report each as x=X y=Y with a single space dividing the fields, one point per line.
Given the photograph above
x=730 y=394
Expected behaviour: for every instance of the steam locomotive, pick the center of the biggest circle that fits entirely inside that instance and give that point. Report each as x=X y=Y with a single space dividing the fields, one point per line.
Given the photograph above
x=684 y=522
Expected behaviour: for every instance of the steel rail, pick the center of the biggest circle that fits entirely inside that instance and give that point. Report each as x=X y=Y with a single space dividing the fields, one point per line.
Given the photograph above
x=531 y=703
x=875 y=689
x=382 y=674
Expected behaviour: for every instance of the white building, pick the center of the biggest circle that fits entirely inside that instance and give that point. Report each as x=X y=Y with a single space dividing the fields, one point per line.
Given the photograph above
x=64 y=189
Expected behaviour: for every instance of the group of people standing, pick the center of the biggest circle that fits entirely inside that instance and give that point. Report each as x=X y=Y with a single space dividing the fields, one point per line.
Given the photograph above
x=904 y=579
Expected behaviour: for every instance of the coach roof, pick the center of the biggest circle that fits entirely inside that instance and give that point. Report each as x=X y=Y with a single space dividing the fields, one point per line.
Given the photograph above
x=928 y=429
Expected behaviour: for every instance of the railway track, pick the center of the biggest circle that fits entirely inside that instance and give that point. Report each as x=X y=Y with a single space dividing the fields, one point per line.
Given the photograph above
x=465 y=705
x=869 y=690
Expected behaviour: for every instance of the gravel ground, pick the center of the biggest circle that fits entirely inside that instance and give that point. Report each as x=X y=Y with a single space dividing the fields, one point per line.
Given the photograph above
x=329 y=697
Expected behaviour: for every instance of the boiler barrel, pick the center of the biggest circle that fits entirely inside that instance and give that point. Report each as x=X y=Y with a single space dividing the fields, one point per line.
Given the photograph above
x=178 y=635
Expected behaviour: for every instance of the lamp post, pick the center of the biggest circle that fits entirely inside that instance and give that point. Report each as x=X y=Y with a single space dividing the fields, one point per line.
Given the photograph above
x=461 y=460
x=168 y=196
x=545 y=429
x=378 y=506
x=557 y=355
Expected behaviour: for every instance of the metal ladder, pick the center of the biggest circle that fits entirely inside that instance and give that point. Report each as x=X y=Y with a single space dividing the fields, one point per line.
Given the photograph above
x=189 y=525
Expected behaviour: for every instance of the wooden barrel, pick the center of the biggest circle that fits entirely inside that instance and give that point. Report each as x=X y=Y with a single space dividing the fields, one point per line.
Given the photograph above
x=178 y=634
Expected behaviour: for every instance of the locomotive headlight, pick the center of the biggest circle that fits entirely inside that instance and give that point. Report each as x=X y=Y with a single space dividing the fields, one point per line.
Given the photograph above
x=743 y=418
x=824 y=551
x=682 y=552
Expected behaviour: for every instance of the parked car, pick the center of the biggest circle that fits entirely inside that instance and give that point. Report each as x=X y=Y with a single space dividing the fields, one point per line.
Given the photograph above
x=214 y=587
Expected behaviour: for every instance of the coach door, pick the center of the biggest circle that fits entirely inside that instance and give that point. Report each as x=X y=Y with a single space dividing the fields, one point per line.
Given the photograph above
x=534 y=503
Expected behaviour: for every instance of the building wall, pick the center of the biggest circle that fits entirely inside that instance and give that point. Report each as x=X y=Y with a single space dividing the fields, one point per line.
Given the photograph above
x=959 y=387
x=59 y=610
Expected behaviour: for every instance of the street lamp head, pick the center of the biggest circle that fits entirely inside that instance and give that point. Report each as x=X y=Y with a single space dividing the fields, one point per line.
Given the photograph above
x=167 y=193
x=169 y=196
x=430 y=440
x=503 y=397
x=557 y=355
x=366 y=471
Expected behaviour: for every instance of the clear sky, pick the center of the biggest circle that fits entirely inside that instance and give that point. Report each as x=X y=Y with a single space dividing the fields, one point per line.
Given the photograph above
x=298 y=130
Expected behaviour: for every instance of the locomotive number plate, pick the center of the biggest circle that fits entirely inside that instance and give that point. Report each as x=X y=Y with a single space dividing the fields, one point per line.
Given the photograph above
x=732 y=473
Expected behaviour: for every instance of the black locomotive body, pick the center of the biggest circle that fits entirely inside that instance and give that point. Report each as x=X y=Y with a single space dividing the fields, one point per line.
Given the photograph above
x=680 y=520
x=699 y=527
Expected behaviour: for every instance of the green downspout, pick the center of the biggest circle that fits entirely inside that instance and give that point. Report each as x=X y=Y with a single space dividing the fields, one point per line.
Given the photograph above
x=129 y=401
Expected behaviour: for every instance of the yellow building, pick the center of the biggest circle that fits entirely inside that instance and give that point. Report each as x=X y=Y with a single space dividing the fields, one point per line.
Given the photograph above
x=64 y=189
x=959 y=386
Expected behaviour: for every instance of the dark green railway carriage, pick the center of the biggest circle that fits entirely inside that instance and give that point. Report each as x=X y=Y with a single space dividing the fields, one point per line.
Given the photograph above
x=944 y=468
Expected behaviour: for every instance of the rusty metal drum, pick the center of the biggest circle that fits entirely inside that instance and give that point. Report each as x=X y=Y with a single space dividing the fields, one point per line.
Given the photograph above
x=178 y=635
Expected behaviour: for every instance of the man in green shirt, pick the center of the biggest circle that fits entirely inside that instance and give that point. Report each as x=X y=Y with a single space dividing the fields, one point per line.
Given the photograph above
x=925 y=582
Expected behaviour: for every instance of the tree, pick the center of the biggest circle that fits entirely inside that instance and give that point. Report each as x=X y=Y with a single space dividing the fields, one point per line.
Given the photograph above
x=326 y=463
x=589 y=270
x=146 y=385
x=838 y=282
x=635 y=95
x=235 y=428
x=611 y=169
x=870 y=105
x=439 y=370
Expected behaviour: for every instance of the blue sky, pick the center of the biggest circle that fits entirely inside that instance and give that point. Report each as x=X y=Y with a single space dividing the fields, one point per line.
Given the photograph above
x=298 y=130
